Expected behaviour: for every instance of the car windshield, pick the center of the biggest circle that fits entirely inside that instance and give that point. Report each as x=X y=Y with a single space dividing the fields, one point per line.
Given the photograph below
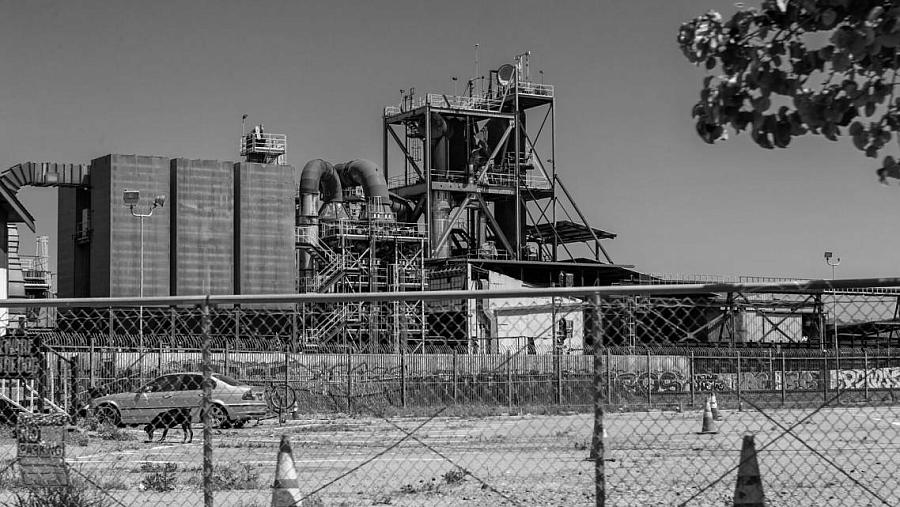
x=228 y=380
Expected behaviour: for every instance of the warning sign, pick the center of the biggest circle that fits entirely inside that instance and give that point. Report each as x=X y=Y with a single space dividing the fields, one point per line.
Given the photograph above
x=19 y=358
x=41 y=442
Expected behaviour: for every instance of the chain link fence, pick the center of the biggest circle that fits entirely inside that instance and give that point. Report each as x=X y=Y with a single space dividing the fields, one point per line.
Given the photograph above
x=636 y=395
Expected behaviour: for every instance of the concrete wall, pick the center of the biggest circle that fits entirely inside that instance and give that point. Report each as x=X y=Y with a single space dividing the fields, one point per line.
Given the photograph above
x=264 y=229
x=202 y=207
x=116 y=243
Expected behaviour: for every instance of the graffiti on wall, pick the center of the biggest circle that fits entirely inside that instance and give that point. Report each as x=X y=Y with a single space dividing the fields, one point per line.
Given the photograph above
x=799 y=380
x=642 y=382
x=708 y=382
x=873 y=378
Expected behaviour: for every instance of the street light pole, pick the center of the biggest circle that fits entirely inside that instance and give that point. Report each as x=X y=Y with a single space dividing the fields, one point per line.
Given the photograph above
x=132 y=198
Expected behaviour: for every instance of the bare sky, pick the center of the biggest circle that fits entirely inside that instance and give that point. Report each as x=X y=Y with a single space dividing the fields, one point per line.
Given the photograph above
x=81 y=79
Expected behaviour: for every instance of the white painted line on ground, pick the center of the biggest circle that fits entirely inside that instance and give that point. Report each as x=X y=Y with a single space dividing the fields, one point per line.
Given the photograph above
x=129 y=451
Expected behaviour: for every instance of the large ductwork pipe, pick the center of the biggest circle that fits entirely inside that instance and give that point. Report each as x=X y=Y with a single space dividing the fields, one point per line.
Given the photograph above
x=319 y=181
x=402 y=207
x=440 y=220
x=367 y=174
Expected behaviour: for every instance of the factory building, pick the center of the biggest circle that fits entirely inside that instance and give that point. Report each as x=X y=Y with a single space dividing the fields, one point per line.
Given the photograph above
x=219 y=228
x=468 y=192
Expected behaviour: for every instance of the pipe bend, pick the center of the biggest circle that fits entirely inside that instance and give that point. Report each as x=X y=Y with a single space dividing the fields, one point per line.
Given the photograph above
x=319 y=177
x=365 y=173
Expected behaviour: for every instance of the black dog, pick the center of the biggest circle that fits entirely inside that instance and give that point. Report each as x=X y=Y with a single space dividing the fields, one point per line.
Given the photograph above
x=170 y=419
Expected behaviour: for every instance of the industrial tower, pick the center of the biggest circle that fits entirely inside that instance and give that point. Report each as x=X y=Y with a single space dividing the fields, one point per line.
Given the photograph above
x=472 y=166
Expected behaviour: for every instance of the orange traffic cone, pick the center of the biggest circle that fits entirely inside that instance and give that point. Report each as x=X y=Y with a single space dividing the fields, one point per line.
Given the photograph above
x=714 y=405
x=286 y=490
x=748 y=491
x=709 y=425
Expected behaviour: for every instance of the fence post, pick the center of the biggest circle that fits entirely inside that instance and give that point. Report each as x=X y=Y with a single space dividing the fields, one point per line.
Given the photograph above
x=349 y=382
x=403 y=378
x=205 y=406
x=649 y=383
x=159 y=360
x=608 y=377
x=559 y=377
x=73 y=388
x=825 y=379
x=691 y=377
x=597 y=445
x=226 y=357
x=287 y=348
x=112 y=321
x=91 y=379
x=866 y=373
x=783 y=379
x=455 y=379
x=42 y=375
x=509 y=390
x=740 y=403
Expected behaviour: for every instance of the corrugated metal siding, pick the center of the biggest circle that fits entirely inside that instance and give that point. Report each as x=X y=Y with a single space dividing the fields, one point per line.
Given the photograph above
x=150 y=175
x=202 y=206
x=264 y=229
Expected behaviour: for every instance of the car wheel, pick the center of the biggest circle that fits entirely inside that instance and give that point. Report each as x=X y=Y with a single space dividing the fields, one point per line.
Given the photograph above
x=218 y=418
x=108 y=414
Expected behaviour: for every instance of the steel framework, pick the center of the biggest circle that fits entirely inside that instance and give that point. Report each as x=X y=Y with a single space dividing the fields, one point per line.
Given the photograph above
x=472 y=168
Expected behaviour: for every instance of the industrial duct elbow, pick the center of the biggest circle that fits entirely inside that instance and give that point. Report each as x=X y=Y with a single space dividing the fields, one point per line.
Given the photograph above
x=319 y=178
x=368 y=175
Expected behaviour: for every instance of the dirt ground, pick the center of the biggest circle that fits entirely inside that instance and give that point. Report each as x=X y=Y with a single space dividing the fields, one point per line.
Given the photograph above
x=652 y=458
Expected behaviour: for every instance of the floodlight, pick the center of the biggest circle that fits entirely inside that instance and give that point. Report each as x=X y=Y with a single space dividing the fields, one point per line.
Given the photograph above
x=828 y=255
x=132 y=197
x=160 y=200
x=505 y=74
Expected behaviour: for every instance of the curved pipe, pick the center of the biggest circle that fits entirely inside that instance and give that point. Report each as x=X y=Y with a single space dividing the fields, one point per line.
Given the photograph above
x=367 y=174
x=319 y=178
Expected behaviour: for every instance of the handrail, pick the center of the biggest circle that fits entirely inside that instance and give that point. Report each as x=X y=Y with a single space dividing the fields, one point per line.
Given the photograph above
x=792 y=287
x=263 y=143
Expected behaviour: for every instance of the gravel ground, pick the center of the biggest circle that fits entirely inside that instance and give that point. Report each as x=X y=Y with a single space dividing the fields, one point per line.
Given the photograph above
x=652 y=458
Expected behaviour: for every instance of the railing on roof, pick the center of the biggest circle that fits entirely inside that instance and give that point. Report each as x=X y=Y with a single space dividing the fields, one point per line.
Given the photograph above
x=527 y=88
x=373 y=228
x=488 y=104
x=696 y=278
x=530 y=179
x=253 y=142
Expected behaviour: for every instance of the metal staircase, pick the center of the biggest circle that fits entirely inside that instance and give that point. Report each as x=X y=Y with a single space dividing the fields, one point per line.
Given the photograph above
x=332 y=268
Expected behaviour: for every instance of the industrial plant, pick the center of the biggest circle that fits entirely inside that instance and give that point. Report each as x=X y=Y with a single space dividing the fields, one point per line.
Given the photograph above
x=468 y=195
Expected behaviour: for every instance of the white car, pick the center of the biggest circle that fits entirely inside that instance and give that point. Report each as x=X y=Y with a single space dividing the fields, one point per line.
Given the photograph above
x=233 y=402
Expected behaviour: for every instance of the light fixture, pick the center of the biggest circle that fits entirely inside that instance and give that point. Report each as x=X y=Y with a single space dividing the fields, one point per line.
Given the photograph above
x=131 y=197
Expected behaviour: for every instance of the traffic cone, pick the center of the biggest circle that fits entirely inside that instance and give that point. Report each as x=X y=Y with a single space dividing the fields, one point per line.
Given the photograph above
x=709 y=425
x=286 y=490
x=748 y=491
x=714 y=404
